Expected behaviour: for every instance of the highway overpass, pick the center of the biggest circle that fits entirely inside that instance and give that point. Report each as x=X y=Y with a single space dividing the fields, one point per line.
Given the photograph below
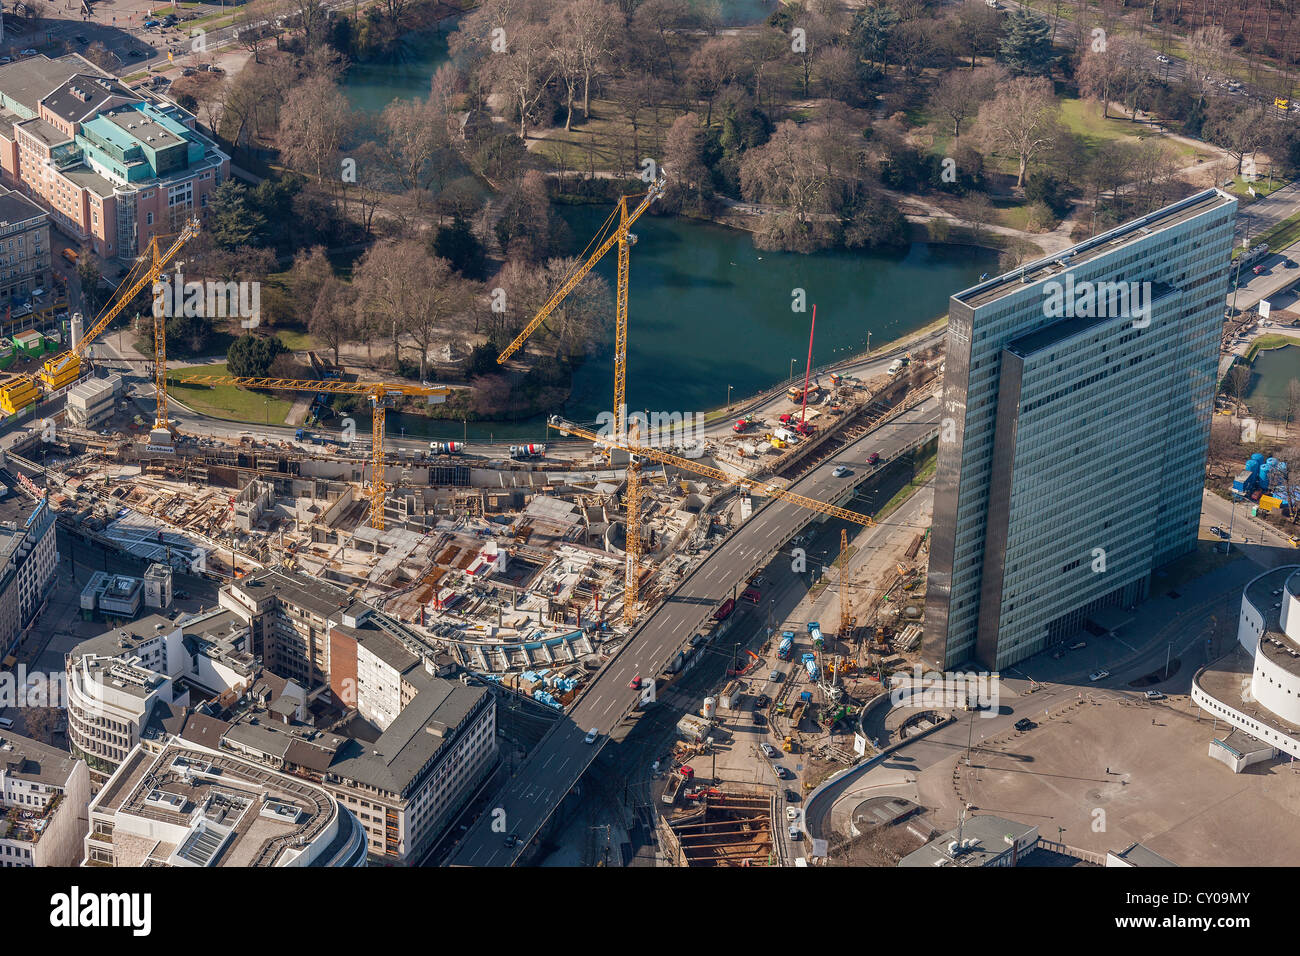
x=562 y=756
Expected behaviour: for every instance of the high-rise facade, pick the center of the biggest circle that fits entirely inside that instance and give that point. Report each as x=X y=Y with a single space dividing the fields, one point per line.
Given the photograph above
x=1078 y=391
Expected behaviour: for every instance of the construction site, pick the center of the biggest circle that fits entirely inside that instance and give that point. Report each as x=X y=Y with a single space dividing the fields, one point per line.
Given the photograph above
x=528 y=564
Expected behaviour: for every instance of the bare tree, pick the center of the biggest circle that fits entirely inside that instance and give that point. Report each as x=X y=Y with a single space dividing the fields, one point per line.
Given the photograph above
x=1236 y=383
x=1023 y=117
x=333 y=321
x=313 y=125
x=525 y=70
x=412 y=137
x=712 y=67
x=958 y=96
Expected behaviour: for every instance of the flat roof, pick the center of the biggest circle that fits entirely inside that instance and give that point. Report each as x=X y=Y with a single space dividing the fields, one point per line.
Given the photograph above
x=30 y=80
x=28 y=759
x=988 y=832
x=321 y=598
x=994 y=289
x=16 y=208
x=234 y=812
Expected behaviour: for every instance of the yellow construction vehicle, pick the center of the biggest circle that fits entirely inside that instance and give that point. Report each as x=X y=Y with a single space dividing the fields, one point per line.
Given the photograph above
x=65 y=368
x=381 y=397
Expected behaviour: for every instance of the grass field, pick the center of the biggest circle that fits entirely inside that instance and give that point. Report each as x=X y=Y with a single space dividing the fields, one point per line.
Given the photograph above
x=295 y=340
x=1266 y=343
x=226 y=401
x=605 y=141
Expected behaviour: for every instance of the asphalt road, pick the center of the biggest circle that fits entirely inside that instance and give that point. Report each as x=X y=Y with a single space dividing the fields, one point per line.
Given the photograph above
x=551 y=770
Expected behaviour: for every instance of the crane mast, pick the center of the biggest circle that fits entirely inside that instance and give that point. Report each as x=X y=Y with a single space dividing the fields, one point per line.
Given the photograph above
x=632 y=566
x=381 y=397
x=624 y=239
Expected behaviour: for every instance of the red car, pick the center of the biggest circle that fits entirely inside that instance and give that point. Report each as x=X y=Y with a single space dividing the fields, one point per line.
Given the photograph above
x=751 y=595
x=874 y=459
x=635 y=683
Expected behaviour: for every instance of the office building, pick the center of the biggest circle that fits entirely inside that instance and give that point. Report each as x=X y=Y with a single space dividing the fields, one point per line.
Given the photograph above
x=123 y=683
x=113 y=166
x=188 y=806
x=1077 y=398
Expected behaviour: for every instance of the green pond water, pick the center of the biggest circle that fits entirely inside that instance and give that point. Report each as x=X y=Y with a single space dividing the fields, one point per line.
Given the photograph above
x=706 y=309
x=1269 y=375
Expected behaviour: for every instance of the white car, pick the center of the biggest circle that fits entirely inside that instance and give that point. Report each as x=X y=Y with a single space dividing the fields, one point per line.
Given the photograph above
x=1155 y=695
x=1098 y=675
x=839 y=472
x=28 y=52
x=592 y=735
x=792 y=814
x=1161 y=58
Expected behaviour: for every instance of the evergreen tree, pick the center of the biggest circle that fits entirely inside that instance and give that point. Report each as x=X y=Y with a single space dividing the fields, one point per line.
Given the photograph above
x=1027 y=47
x=253 y=355
x=231 y=220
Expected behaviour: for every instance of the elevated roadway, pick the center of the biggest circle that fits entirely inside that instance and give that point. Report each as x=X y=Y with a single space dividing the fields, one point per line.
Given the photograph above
x=562 y=756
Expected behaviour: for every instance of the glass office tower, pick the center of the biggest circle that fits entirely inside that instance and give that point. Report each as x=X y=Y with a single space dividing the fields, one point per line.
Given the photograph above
x=1078 y=392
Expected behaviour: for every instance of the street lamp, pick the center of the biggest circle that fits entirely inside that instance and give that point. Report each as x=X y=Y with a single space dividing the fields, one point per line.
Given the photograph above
x=792 y=361
x=729 y=396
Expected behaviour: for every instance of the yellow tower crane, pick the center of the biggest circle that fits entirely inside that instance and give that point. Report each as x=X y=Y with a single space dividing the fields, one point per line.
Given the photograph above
x=846 y=620
x=630 y=581
x=380 y=395
x=65 y=368
x=624 y=240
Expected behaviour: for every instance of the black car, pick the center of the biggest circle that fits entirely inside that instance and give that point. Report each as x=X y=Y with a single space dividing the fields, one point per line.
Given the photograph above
x=136 y=53
x=759 y=719
x=761 y=701
x=1024 y=723
x=81 y=38
x=791 y=797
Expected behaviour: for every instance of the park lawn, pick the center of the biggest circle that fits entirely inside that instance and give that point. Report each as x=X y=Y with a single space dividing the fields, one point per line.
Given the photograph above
x=226 y=401
x=601 y=137
x=295 y=340
x=1262 y=187
x=1012 y=215
x=1266 y=343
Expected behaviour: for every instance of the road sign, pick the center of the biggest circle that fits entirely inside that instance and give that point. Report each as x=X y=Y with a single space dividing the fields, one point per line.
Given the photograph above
x=1264 y=308
x=860 y=745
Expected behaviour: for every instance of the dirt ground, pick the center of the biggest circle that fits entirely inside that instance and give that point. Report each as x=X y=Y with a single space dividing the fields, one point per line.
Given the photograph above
x=1109 y=773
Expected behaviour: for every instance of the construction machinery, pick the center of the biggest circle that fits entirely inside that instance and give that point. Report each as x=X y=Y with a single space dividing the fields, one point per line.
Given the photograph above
x=631 y=581
x=65 y=368
x=624 y=240
x=381 y=395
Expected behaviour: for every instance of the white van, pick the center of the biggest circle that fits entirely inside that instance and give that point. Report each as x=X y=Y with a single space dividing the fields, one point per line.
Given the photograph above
x=5 y=723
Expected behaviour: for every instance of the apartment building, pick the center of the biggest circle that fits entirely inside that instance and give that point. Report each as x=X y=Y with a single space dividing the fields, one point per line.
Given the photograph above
x=113 y=166
x=44 y=794
x=1077 y=393
x=28 y=561
x=24 y=247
